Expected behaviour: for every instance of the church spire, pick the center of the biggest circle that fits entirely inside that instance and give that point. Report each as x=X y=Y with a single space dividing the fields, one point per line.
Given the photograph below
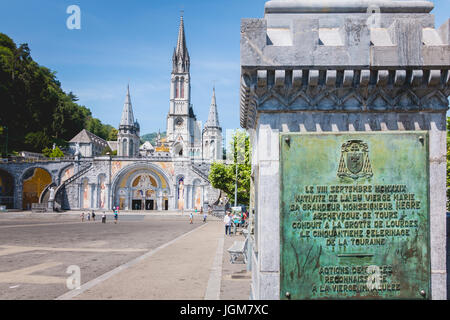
x=127 y=113
x=213 y=118
x=181 y=60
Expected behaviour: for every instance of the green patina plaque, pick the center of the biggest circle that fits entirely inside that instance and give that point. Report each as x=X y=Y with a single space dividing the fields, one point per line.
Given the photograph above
x=354 y=217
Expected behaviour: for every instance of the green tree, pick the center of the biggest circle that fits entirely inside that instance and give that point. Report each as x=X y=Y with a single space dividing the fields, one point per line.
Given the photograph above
x=223 y=176
x=113 y=133
x=53 y=153
x=108 y=150
x=36 y=110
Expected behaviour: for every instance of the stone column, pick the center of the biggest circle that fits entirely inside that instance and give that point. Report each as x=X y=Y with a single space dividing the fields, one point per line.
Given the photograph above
x=18 y=193
x=93 y=196
x=171 y=201
x=190 y=192
x=185 y=197
x=109 y=196
x=174 y=198
x=129 y=200
x=159 y=201
x=367 y=77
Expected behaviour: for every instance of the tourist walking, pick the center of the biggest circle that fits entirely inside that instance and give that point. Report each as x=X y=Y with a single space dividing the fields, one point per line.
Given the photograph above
x=104 y=217
x=116 y=217
x=93 y=215
x=82 y=216
x=89 y=216
x=204 y=217
x=227 y=222
x=191 y=218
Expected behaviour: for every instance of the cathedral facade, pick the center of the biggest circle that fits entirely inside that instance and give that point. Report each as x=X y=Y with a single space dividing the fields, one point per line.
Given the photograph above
x=170 y=175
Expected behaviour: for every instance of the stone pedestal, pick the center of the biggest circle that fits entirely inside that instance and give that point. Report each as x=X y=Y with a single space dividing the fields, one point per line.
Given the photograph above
x=333 y=68
x=51 y=205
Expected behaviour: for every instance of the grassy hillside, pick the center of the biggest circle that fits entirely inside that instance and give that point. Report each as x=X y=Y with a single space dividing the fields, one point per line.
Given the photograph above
x=151 y=137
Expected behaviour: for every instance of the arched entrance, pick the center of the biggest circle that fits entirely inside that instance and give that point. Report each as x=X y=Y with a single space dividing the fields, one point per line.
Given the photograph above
x=141 y=188
x=144 y=188
x=6 y=189
x=34 y=182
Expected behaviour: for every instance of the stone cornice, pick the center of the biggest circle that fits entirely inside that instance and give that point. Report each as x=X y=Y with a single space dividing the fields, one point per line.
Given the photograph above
x=347 y=6
x=401 y=90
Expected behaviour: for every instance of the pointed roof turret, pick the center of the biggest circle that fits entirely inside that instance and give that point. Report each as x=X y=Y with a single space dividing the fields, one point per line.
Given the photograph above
x=181 y=60
x=213 y=118
x=127 y=113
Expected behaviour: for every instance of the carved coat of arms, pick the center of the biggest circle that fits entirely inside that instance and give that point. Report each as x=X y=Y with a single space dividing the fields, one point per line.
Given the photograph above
x=355 y=162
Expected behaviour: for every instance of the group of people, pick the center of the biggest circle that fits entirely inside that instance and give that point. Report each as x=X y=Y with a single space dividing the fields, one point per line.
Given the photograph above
x=191 y=216
x=228 y=221
x=89 y=215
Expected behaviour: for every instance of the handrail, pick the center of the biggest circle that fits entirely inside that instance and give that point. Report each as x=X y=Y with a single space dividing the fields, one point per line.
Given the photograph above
x=34 y=160
x=73 y=178
x=41 y=197
x=200 y=173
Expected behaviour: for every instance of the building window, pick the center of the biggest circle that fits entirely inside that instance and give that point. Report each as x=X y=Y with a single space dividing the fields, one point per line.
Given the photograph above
x=124 y=147
x=182 y=88
x=131 y=149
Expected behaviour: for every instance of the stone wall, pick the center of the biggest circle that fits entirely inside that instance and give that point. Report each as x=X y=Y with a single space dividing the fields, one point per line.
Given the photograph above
x=333 y=67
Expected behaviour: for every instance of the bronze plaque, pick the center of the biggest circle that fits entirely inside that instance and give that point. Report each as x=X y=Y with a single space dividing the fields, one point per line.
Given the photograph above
x=354 y=217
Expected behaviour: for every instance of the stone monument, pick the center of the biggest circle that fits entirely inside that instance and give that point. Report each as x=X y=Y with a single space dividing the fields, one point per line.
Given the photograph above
x=345 y=102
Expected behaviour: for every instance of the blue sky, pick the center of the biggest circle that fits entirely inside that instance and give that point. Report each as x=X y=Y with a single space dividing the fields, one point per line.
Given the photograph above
x=132 y=41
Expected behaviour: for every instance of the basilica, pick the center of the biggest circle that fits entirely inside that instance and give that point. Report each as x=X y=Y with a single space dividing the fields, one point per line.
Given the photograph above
x=172 y=174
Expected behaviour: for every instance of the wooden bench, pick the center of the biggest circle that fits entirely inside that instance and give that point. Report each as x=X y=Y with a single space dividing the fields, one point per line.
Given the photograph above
x=239 y=248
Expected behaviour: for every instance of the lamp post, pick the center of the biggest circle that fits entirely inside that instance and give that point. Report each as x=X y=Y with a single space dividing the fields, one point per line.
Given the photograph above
x=236 y=164
x=235 y=186
x=6 y=143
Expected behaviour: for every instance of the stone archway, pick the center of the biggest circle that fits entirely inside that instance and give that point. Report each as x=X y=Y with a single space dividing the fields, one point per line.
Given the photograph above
x=6 y=189
x=178 y=149
x=141 y=187
x=34 y=181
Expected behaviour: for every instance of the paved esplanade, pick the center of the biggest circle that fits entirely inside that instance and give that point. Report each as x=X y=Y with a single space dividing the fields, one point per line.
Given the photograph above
x=141 y=257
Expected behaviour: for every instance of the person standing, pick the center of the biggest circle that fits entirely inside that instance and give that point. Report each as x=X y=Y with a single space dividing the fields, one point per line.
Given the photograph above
x=204 y=217
x=227 y=222
x=82 y=216
x=89 y=216
x=104 y=217
x=116 y=217
x=191 y=218
x=93 y=215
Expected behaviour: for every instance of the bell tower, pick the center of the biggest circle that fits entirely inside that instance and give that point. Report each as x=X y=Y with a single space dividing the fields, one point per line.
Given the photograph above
x=128 y=137
x=212 y=134
x=179 y=119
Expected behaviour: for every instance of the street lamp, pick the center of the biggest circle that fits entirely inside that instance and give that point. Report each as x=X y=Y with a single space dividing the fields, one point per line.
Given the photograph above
x=6 y=143
x=235 y=185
